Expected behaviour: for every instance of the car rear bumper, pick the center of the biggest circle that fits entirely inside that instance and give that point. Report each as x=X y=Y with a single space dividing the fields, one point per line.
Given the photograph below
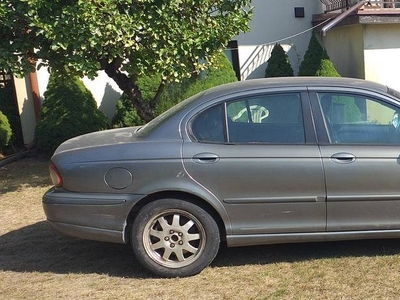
x=100 y=217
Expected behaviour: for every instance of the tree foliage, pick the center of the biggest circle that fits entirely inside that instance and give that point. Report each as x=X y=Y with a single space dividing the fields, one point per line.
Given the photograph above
x=125 y=38
x=69 y=110
x=219 y=73
x=278 y=63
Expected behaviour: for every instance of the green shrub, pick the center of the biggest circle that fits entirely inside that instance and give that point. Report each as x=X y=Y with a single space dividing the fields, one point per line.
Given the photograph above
x=278 y=63
x=221 y=72
x=326 y=67
x=5 y=131
x=125 y=114
x=68 y=110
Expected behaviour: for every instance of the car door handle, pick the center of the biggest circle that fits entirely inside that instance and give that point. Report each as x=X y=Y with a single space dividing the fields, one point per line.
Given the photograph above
x=343 y=158
x=206 y=158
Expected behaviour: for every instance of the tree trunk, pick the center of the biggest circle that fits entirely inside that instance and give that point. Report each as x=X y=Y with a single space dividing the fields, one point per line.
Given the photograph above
x=127 y=84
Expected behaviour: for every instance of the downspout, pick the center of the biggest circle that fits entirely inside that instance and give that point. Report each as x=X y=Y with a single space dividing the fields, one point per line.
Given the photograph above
x=342 y=16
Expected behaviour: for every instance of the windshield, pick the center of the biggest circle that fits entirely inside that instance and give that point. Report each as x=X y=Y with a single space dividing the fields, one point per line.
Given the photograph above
x=158 y=121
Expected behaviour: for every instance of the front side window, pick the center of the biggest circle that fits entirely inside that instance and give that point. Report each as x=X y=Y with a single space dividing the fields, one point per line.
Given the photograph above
x=358 y=119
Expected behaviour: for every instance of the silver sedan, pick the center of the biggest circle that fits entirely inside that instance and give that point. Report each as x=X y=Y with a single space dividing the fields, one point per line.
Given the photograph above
x=265 y=161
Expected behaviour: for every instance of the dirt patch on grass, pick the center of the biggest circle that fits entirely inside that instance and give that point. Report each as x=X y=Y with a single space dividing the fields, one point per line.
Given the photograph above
x=36 y=263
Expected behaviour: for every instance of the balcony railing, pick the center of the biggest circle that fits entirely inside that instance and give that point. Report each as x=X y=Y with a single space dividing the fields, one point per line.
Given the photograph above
x=332 y=5
x=384 y=4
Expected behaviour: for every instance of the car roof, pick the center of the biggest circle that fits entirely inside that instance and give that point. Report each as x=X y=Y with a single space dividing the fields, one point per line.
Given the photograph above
x=300 y=81
x=170 y=120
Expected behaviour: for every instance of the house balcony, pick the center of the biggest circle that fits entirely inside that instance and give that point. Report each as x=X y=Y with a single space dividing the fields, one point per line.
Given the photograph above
x=379 y=5
x=345 y=12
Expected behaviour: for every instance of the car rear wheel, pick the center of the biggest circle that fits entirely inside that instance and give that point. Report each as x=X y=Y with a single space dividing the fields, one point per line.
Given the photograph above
x=174 y=238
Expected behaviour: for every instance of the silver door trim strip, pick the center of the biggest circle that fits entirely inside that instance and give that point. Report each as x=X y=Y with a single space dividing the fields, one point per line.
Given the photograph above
x=361 y=198
x=274 y=200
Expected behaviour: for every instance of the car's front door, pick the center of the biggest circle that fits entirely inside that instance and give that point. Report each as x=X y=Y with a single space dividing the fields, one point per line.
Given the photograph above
x=258 y=156
x=361 y=160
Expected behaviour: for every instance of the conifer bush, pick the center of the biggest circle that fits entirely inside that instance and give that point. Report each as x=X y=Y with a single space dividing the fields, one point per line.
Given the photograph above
x=5 y=131
x=278 y=63
x=68 y=110
x=316 y=61
x=312 y=58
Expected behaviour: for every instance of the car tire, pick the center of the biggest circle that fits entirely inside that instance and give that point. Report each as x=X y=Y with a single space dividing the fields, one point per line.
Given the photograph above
x=174 y=238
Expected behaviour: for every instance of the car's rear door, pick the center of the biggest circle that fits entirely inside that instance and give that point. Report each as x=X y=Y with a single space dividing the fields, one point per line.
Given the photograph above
x=361 y=157
x=258 y=155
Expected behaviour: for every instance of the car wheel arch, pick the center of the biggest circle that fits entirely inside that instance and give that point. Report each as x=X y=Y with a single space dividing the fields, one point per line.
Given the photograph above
x=184 y=196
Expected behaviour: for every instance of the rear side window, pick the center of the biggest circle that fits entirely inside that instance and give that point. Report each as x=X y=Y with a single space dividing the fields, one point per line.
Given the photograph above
x=272 y=118
x=275 y=118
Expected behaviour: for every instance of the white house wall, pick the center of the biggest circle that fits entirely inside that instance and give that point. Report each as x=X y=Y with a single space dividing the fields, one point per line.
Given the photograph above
x=273 y=21
x=345 y=47
x=382 y=54
x=26 y=109
x=368 y=51
x=43 y=79
x=105 y=91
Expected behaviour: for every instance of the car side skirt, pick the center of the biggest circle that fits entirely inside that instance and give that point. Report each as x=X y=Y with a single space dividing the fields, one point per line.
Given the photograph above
x=284 y=238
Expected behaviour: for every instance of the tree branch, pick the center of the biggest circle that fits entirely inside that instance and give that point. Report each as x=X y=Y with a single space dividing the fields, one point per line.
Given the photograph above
x=157 y=96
